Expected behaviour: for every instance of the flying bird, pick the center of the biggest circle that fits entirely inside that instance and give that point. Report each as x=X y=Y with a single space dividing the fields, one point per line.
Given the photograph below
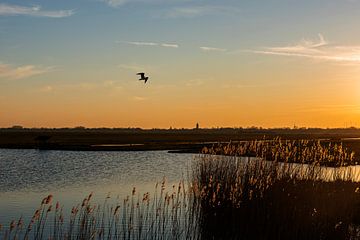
x=142 y=77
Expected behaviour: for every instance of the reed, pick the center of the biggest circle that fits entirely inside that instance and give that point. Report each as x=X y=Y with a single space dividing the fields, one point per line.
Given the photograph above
x=165 y=215
x=250 y=198
x=295 y=151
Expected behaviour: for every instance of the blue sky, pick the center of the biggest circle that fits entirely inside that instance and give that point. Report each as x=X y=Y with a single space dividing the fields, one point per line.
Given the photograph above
x=197 y=52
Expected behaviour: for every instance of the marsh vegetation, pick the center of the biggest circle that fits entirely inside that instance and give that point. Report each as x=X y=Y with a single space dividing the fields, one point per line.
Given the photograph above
x=283 y=191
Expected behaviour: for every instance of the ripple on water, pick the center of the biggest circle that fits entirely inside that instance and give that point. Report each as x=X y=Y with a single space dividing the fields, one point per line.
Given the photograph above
x=28 y=175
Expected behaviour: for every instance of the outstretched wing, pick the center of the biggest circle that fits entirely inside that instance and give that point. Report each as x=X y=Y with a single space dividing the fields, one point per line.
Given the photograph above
x=141 y=74
x=146 y=79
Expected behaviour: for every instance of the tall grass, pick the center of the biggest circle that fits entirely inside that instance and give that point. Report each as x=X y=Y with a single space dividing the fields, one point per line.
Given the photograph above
x=161 y=215
x=257 y=199
x=295 y=151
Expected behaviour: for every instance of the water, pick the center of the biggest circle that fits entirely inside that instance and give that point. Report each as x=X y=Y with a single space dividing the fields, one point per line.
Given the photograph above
x=304 y=171
x=27 y=176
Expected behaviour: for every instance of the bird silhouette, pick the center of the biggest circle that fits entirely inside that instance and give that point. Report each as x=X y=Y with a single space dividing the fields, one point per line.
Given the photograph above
x=142 y=77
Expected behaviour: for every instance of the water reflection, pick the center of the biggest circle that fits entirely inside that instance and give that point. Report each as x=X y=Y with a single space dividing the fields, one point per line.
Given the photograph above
x=304 y=171
x=27 y=176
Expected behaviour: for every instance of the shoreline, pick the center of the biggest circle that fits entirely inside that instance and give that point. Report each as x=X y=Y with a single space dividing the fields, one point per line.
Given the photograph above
x=177 y=148
x=180 y=141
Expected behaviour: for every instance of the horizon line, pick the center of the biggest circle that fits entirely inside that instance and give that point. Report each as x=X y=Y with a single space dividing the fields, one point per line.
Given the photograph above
x=18 y=127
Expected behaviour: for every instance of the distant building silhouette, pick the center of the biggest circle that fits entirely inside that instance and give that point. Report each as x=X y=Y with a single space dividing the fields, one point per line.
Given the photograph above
x=197 y=126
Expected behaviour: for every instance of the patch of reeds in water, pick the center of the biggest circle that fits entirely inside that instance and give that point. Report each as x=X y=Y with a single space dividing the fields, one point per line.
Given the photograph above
x=294 y=151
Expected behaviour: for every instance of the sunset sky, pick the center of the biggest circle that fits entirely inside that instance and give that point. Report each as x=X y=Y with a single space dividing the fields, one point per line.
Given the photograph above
x=228 y=63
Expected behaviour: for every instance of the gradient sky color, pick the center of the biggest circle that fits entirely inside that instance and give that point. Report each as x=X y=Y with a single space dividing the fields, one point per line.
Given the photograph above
x=272 y=63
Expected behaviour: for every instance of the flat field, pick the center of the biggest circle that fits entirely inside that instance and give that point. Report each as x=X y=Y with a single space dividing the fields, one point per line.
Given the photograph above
x=186 y=140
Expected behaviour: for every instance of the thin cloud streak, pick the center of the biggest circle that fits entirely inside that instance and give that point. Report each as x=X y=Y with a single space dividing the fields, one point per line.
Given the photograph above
x=213 y=49
x=35 y=11
x=169 y=45
x=304 y=47
x=143 y=43
x=25 y=71
x=153 y=44
x=132 y=67
x=138 y=98
x=114 y=3
x=136 y=67
x=197 y=11
x=331 y=108
x=46 y=89
x=119 y=3
x=194 y=82
x=318 y=50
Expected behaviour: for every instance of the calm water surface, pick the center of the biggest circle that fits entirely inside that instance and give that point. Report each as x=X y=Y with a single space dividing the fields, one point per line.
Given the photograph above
x=27 y=176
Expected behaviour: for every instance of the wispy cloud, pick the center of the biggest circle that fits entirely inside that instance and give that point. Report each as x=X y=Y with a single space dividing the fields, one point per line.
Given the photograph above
x=143 y=43
x=25 y=71
x=118 y=3
x=138 y=98
x=194 y=82
x=136 y=67
x=187 y=11
x=36 y=11
x=109 y=83
x=167 y=45
x=213 y=49
x=46 y=89
x=170 y=45
x=115 y=3
x=320 y=50
x=253 y=85
x=331 y=108
x=110 y=86
x=196 y=11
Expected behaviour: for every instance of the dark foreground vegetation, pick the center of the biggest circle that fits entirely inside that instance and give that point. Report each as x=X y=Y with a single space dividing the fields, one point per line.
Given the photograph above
x=226 y=197
x=257 y=200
